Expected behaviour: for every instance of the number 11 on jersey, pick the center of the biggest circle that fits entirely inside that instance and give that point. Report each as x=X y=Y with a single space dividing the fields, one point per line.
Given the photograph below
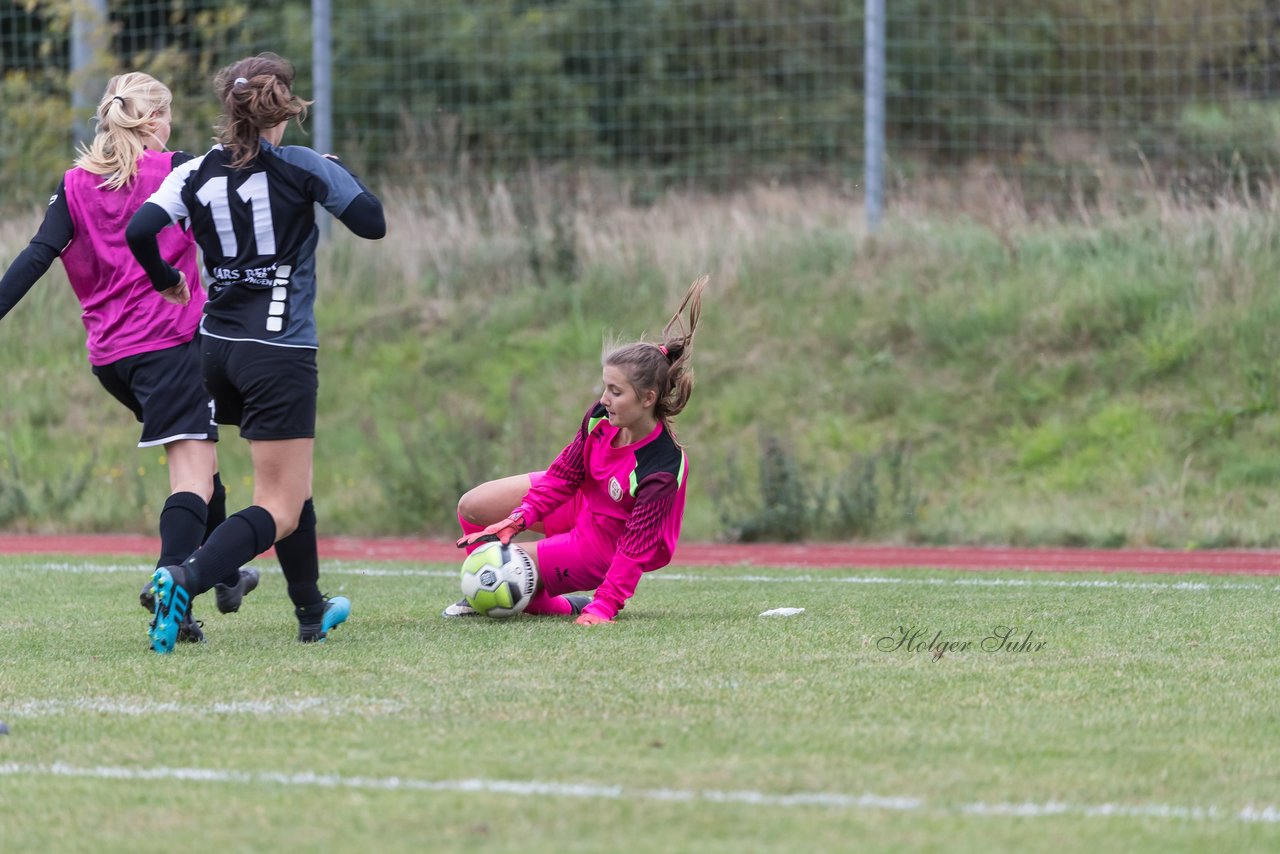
x=253 y=192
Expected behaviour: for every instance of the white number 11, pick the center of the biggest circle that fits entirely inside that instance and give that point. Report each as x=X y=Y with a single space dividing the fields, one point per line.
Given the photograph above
x=253 y=191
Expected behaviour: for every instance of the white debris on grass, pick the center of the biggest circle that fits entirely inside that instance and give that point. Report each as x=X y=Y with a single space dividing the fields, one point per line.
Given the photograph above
x=782 y=612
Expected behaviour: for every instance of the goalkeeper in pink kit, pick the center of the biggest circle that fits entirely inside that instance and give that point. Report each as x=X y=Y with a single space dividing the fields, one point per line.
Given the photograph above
x=612 y=502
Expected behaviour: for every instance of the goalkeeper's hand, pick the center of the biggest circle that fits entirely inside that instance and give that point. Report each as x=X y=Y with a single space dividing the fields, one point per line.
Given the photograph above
x=501 y=532
x=586 y=618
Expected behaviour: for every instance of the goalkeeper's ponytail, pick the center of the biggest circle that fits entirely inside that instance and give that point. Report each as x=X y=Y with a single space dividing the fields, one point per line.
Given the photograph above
x=665 y=368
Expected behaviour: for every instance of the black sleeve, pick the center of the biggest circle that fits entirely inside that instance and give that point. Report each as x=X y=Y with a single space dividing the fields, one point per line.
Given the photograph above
x=364 y=217
x=180 y=157
x=364 y=214
x=23 y=273
x=141 y=235
x=55 y=232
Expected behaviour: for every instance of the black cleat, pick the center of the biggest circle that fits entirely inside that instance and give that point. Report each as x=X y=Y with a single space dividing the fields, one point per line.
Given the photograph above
x=229 y=598
x=147 y=598
x=191 y=631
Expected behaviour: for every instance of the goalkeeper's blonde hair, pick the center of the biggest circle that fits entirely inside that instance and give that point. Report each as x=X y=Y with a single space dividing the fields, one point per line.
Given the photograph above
x=127 y=107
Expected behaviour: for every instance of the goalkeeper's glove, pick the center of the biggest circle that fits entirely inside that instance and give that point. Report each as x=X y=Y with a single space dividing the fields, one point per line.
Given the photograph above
x=501 y=532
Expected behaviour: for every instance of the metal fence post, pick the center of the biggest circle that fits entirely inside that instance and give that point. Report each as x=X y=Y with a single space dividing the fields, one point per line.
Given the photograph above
x=89 y=44
x=322 y=81
x=873 y=120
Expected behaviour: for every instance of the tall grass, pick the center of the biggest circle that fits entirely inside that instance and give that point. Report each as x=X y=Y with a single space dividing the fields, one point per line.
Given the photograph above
x=989 y=373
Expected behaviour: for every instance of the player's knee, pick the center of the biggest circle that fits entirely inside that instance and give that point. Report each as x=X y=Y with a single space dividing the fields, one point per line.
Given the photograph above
x=469 y=507
x=194 y=485
x=284 y=529
x=285 y=516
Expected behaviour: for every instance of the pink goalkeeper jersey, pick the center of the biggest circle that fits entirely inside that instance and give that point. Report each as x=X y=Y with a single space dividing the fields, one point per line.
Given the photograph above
x=633 y=501
x=122 y=312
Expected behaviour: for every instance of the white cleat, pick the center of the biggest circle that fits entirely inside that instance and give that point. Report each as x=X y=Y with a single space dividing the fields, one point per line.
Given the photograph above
x=461 y=608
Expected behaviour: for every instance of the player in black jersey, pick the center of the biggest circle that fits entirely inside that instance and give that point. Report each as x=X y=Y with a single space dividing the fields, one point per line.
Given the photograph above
x=250 y=202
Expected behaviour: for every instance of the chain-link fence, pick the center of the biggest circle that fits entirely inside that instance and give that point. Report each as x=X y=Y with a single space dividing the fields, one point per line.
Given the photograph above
x=1060 y=97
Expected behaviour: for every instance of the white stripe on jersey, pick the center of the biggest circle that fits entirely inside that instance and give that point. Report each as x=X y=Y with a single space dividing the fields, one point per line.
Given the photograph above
x=169 y=196
x=208 y=334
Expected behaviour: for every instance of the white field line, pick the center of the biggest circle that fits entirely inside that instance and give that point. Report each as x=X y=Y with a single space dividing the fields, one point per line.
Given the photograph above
x=1252 y=814
x=265 y=708
x=965 y=580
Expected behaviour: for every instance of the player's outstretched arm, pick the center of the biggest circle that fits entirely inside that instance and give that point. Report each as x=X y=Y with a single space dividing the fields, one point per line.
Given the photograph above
x=31 y=263
x=364 y=217
x=56 y=231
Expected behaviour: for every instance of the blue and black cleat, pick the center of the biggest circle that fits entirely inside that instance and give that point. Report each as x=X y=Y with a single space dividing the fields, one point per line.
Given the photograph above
x=314 y=625
x=173 y=608
x=191 y=631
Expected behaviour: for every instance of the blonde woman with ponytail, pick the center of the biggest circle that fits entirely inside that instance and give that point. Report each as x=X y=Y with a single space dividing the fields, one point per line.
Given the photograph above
x=611 y=504
x=142 y=348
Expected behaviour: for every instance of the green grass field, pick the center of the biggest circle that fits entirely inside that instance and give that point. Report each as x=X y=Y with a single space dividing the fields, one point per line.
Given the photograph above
x=1145 y=722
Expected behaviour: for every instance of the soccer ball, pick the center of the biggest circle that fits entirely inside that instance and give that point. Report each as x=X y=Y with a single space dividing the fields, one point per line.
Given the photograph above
x=498 y=580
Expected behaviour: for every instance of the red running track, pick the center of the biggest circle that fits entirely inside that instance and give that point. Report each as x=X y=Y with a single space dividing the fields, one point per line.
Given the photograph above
x=814 y=556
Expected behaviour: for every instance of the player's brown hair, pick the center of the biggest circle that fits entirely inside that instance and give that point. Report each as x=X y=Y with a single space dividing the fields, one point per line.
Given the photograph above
x=256 y=94
x=665 y=367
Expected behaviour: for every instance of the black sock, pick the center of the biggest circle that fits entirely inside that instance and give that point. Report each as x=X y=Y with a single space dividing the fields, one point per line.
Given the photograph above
x=240 y=539
x=217 y=506
x=182 y=526
x=300 y=562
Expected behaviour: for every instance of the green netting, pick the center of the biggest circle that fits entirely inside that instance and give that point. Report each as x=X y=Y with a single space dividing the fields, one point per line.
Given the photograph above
x=1051 y=92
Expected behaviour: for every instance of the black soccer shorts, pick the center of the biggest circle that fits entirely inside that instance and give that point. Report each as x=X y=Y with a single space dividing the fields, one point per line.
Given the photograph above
x=269 y=391
x=164 y=391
